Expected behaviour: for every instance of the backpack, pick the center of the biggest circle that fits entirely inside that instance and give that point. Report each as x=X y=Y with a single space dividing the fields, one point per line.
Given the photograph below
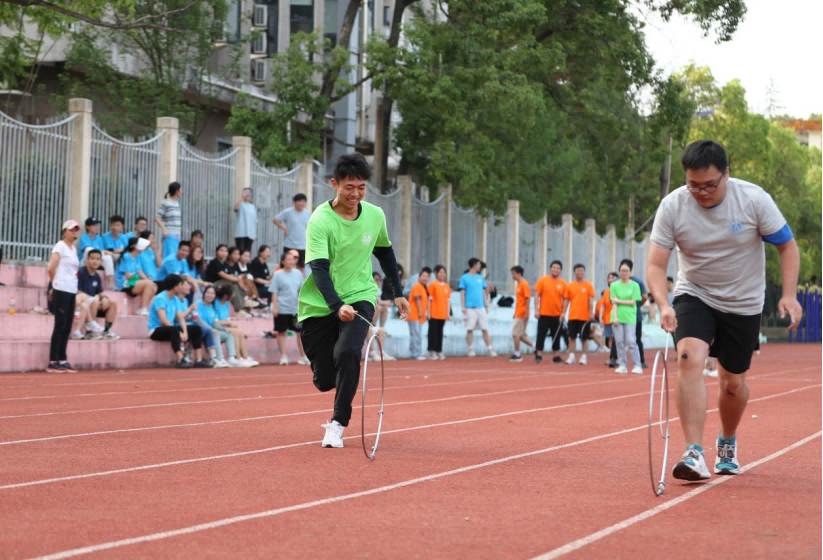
x=505 y=301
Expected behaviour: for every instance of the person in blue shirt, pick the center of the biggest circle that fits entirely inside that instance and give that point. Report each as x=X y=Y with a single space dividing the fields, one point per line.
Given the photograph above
x=173 y=264
x=92 y=240
x=94 y=304
x=644 y=296
x=207 y=318
x=193 y=268
x=167 y=322
x=140 y=225
x=222 y=309
x=474 y=299
x=114 y=242
x=150 y=258
x=131 y=279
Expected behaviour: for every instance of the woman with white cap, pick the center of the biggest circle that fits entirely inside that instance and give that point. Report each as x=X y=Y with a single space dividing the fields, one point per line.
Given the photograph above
x=63 y=268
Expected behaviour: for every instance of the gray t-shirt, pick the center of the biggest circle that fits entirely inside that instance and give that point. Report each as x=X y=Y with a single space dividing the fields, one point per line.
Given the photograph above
x=721 y=254
x=286 y=285
x=296 y=222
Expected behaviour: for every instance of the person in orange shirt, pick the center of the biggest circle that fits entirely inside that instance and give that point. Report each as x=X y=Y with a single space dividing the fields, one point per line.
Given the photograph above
x=523 y=294
x=419 y=300
x=439 y=294
x=605 y=315
x=578 y=299
x=548 y=309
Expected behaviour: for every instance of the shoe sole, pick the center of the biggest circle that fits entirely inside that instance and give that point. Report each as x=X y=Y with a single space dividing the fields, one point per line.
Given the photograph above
x=684 y=472
x=330 y=446
x=732 y=472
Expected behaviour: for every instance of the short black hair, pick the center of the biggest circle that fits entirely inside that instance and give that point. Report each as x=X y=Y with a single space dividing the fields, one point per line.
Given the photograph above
x=141 y=219
x=612 y=274
x=473 y=261
x=376 y=274
x=172 y=281
x=438 y=268
x=173 y=188
x=223 y=291
x=704 y=153
x=483 y=265
x=669 y=279
x=131 y=244
x=352 y=166
x=299 y=196
x=184 y=243
x=579 y=265
x=518 y=269
x=220 y=247
x=93 y=251
x=117 y=218
x=233 y=249
x=195 y=233
x=558 y=263
x=262 y=248
x=426 y=269
x=145 y=234
x=628 y=262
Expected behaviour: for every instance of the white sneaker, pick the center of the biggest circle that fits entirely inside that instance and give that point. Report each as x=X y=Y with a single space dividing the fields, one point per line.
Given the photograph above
x=433 y=356
x=284 y=360
x=441 y=356
x=91 y=335
x=387 y=358
x=472 y=353
x=710 y=373
x=421 y=358
x=570 y=360
x=234 y=362
x=334 y=435
x=94 y=326
x=110 y=335
x=583 y=360
x=692 y=466
x=142 y=311
x=77 y=335
x=621 y=369
x=251 y=362
x=375 y=356
x=218 y=363
x=492 y=353
x=637 y=370
x=304 y=361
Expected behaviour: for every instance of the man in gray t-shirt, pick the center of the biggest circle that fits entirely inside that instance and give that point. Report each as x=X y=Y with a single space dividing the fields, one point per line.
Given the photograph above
x=285 y=289
x=294 y=221
x=718 y=225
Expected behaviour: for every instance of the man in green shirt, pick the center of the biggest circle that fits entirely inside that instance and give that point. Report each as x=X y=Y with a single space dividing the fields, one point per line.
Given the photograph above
x=625 y=293
x=341 y=237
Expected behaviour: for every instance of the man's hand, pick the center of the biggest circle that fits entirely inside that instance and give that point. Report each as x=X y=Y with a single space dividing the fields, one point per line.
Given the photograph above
x=346 y=313
x=791 y=306
x=668 y=319
x=403 y=306
x=274 y=311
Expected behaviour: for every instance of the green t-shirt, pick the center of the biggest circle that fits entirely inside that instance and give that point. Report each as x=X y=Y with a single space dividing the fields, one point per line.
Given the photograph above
x=626 y=314
x=348 y=246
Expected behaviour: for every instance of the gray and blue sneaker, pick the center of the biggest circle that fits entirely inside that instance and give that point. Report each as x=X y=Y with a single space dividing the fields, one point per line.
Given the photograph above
x=727 y=461
x=692 y=466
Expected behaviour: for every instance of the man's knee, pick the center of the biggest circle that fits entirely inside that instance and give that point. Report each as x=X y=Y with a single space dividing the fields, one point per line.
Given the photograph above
x=732 y=384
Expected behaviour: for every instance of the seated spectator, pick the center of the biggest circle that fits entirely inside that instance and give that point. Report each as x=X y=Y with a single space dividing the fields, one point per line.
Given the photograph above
x=206 y=317
x=167 y=322
x=221 y=307
x=113 y=241
x=141 y=224
x=247 y=281
x=259 y=269
x=284 y=288
x=219 y=273
x=191 y=317
x=92 y=240
x=196 y=239
x=150 y=258
x=173 y=264
x=131 y=279
x=90 y=296
x=194 y=267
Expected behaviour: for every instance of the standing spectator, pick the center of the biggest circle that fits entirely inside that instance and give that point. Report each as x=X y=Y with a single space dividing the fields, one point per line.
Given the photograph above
x=639 y=325
x=579 y=296
x=522 y=296
x=114 y=242
x=207 y=315
x=625 y=294
x=141 y=224
x=63 y=268
x=173 y=264
x=245 y=230
x=149 y=258
x=131 y=279
x=285 y=287
x=170 y=219
x=670 y=287
x=219 y=273
x=167 y=322
x=548 y=310
x=92 y=240
x=439 y=307
x=221 y=306
x=605 y=316
x=259 y=269
x=90 y=295
x=293 y=221
x=386 y=301
x=419 y=301
x=475 y=304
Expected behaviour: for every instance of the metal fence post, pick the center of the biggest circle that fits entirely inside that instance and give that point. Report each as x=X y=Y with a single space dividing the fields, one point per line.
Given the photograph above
x=81 y=156
x=568 y=229
x=591 y=231
x=611 y=234
x=543 y=247
x=447 y=228
x=242 y=174
x=513 y=227
x=305 y=182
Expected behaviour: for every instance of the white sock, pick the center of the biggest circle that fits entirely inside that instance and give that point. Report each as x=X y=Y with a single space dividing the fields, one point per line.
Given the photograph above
x=517 y=354
x=571 y=355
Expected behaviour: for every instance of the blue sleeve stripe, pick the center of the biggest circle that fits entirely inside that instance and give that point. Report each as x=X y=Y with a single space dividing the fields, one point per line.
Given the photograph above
x=780 y=237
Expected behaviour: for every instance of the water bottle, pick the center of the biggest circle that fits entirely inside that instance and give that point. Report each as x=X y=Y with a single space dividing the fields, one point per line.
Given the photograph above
x=13 y=305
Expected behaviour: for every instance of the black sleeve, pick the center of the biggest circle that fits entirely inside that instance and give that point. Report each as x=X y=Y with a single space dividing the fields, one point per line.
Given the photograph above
x=322 y=279
x=388 y=262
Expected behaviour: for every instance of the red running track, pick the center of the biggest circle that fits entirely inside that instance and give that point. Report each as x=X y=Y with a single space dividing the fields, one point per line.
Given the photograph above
x=479 y=459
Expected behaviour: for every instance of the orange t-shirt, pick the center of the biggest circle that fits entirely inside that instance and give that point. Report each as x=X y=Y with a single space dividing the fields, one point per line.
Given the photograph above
x=580 y=295
x=551 y=295
x=439 y=293
x=524 y=292
x=606 y=304
x=418 y=290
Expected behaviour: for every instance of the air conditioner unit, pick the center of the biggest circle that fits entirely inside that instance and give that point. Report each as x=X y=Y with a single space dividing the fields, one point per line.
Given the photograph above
x=261 y=16
x=259 y=70
x=259 y=44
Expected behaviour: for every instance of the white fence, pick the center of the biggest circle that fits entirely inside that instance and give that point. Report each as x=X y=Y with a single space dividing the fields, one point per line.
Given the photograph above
x=272 y=193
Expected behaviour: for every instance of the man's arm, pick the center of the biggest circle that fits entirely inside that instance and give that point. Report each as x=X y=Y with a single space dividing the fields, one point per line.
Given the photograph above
x=789 y=270
x=656 y=279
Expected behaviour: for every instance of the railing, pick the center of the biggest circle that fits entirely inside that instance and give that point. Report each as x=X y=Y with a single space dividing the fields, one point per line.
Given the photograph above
x=273 y=192
x=464 y=241
x=497 y=250
x=809 y=329
x=35 y=185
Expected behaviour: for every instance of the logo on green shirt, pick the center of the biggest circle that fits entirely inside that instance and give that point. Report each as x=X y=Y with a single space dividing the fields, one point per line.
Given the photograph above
x=366 y=238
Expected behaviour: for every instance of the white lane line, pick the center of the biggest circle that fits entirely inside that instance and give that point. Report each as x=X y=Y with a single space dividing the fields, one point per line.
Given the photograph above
x=326 y=501
x=261 y=398
x=580 y=543
x=400 y=430
x=302 y=413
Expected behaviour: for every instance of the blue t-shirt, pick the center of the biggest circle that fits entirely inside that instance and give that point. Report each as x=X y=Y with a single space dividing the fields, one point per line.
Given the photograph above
x=162 y=301
x=87 y=241
x=189 y=271
x=147 y=261
x=111 y=244
x=208 y=314
x=473 y=285
x=182 y=306
x=170 y=266
x=128 y=264
x=222 y=310
x=642 y=293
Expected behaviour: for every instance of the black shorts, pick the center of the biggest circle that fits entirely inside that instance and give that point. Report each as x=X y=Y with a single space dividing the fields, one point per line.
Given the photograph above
x=284 y=322
x=580 y=329
x=731 y=338
x=301 y=260
x=129 y=290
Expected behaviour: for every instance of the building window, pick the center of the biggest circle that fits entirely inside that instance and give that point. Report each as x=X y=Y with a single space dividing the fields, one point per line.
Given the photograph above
x=273 y=25
x=386 y=16
x=233 y=21
x=302 y=16
x=330 y=21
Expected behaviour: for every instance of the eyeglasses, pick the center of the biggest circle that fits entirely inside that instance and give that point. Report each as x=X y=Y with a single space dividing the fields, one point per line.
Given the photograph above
x=710 y=188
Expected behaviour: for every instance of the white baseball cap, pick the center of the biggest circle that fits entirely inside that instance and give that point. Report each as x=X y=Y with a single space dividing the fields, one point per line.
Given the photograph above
x=142 y=244
x=70 y=224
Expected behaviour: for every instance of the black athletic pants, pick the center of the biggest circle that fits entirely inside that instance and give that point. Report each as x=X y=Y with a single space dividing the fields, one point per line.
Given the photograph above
x=334 y=348
x=436 y=327
x=547 y=325
x=63 y=303
x=638 y=333
x=243 y=243
x=173 y=334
